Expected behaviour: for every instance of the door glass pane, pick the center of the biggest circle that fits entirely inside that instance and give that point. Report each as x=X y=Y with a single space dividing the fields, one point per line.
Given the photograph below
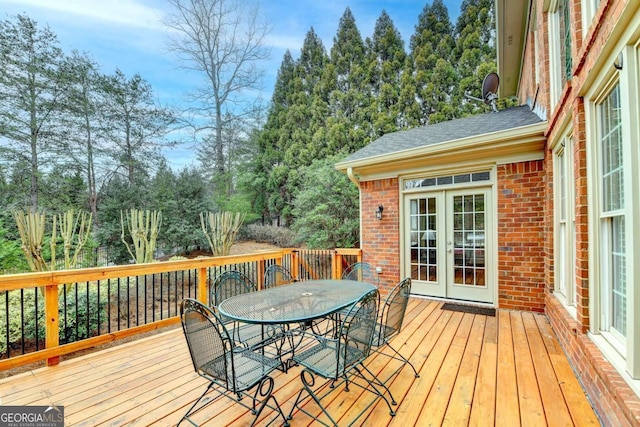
x=423 y=237
x=469 y=239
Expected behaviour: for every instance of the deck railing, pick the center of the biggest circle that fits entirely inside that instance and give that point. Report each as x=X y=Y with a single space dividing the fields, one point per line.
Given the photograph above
x=46 y=315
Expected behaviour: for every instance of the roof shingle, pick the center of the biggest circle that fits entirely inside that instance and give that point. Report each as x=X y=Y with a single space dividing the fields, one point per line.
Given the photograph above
x=451 y=130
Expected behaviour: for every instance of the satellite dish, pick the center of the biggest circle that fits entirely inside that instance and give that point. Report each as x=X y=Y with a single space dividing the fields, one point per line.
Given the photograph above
x=489 y=91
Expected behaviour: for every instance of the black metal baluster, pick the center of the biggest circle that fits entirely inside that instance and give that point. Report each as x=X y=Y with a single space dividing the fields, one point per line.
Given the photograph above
x=22 y=318
x=88 y=313
x=6 y=325
x=77 y=305
x=36 y=313
x=118 y=303
x=99 y=311
x=108 y=305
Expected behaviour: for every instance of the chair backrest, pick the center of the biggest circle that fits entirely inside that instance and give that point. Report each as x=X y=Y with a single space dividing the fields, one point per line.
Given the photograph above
x=393 y=309
x=356 y=332
x=228 y=284
x=208 y=341
x=276 y=275
x=361 y=271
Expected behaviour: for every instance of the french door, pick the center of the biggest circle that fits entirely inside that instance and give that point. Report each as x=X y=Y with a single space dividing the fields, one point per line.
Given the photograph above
x=448 y=250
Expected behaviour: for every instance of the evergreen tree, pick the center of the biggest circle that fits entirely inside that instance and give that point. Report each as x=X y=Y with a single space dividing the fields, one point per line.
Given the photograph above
x=63 y=188
x=386 y=66
x=136 y=125
x=434 y=77
x=117 y=195
x=83 y=122
x=348 y=123
x=181 y=214
x=269 y=164
x=326 y=207
x=475 y=52
x=307 y=112
x=163 y=196
x=30 y=89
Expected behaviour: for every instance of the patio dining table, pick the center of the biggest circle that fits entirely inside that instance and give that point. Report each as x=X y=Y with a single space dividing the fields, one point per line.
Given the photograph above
x=298 y=302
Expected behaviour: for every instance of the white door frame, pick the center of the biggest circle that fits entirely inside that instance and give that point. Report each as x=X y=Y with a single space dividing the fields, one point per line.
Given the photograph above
x=438 y=281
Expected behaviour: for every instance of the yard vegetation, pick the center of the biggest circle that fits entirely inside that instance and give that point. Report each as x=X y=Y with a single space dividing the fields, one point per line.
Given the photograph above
x=74 y=136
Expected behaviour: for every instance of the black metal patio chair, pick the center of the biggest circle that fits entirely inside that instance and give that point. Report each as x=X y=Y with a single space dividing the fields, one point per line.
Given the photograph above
x=230 y=372
x=276 y=275
x=361 y=271
x=390 y=322
x=341 y=359
x=231 y=283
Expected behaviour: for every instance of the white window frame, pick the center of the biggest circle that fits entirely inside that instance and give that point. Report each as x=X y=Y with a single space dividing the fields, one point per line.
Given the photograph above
x=589 y=9
x=564 y=219
x=623 y=354
x=555 y=61
x=606 y=217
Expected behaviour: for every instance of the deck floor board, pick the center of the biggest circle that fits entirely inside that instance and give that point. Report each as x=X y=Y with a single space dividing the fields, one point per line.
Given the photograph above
x=474 y=370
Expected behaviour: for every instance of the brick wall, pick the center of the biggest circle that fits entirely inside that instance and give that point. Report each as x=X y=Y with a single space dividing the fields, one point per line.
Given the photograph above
x=521 y=236
x=380 y=240
x=614 y=401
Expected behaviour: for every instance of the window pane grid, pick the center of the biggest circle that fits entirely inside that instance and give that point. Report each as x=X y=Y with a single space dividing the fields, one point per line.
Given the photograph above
x=612 y=161
x=468 y=237
x=619 y=277
x=614 y=280
x=423 y=239
x=565 y=31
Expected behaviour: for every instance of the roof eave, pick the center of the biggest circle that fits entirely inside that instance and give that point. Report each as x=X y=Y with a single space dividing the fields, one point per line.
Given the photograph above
x=511 y=23
x=516 y=144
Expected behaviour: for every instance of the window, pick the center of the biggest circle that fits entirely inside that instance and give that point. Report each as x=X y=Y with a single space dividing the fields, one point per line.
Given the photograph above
x=612 y=217
x=560 y=59
x=589 y=8
x=447 y=179
x=565 y=243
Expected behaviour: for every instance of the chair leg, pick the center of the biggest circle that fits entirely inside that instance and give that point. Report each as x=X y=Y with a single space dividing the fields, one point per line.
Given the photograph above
x=191 y=409
x=405 y=360
x=266 y=394
x=373 y=382
x=308 y=382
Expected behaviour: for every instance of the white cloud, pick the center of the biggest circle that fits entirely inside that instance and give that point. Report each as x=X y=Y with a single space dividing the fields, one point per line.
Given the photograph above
x=284 y=42
x=130 y=13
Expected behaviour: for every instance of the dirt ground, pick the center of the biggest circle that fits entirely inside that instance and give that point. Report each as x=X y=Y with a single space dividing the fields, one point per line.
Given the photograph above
x=239 y=248
x=251 y=247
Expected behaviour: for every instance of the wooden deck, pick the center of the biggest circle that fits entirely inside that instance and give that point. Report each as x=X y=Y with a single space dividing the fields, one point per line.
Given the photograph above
x=475 y=370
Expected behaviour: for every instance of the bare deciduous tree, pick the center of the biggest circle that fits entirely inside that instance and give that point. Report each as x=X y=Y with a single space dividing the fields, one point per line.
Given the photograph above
x=225 y=40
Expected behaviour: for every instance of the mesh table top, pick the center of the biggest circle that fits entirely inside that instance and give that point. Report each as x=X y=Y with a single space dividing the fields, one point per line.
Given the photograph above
x=296 y=302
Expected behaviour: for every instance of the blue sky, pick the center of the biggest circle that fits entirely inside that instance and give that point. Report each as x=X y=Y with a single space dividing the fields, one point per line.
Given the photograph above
x=129 y=35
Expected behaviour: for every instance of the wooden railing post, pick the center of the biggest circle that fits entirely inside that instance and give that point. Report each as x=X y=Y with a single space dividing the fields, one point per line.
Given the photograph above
x=202 y=285
x=336 y=262
x=260 y=273
x=52 y=323
x=339 y=259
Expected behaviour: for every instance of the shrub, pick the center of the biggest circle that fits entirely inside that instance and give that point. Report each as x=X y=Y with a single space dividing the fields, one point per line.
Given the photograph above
x=279 y=236
x=326 y=208
x=82 y=310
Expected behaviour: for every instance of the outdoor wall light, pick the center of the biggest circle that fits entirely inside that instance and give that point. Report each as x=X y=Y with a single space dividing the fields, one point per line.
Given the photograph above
x=618 y=61
x=379 y=213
